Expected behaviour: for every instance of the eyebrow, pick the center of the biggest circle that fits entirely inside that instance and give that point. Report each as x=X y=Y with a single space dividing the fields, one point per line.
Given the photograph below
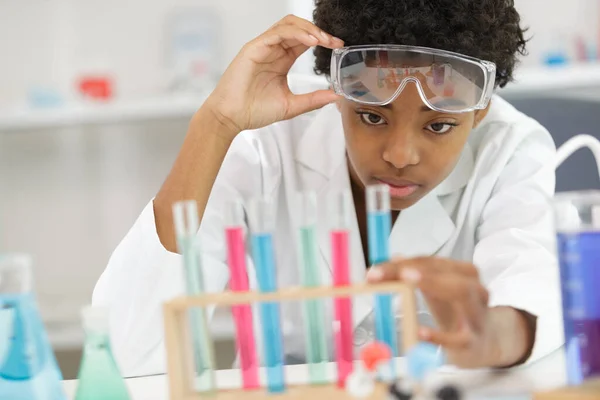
x=424 y=108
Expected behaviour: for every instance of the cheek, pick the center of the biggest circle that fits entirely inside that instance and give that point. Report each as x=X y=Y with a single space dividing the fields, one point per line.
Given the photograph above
x=444 y=157
x=360 y=147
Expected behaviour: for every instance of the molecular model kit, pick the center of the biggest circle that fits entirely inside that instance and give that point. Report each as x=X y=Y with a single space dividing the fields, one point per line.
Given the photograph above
x=190 y=349
x=376 y=375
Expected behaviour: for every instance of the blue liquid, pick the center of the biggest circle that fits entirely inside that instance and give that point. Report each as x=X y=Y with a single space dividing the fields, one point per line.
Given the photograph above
x=580 y=276
x=264 y=260
x=379 y=227
x=28 y=368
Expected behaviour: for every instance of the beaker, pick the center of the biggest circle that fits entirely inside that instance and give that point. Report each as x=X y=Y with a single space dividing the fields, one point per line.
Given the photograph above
x=577 y=219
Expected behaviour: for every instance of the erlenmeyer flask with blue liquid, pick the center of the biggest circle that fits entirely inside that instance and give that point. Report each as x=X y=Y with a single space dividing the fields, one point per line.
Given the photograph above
x=28 y=369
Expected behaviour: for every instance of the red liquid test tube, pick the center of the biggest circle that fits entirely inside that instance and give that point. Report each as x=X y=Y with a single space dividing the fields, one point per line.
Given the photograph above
x=242 y=314
x=340 y=258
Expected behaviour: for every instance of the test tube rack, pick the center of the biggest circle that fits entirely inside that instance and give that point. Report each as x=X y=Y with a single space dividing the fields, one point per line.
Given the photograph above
x=590 y=390
x=178 y=341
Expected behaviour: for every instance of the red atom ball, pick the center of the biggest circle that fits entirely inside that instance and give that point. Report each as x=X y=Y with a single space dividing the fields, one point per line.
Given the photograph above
x=374 y=354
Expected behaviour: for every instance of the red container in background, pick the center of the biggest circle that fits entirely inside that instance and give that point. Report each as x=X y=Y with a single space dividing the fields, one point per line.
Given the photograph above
x=96 y=87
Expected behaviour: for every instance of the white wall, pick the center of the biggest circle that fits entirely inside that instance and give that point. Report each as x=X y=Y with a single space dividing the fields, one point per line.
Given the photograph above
x=555 y=21
x=68 y=196
x=50 y=42
x=303 y=9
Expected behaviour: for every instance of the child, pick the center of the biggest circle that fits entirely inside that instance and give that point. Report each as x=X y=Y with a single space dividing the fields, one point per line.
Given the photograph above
x=410 y=106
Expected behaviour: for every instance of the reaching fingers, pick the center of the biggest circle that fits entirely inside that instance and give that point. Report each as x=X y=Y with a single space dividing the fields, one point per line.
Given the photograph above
x=393 y=269
x=441 y=281
x=456 y=340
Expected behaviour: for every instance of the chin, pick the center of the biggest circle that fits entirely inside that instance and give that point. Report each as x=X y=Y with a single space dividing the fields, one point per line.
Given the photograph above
x=399 y=204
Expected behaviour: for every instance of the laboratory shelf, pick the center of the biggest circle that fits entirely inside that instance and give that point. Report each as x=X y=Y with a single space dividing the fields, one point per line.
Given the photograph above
x=559 y=80
x=555 y=79
x=163 y=107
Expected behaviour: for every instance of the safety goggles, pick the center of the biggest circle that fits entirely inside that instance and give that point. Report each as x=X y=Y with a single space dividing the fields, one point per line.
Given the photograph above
x=447 y=82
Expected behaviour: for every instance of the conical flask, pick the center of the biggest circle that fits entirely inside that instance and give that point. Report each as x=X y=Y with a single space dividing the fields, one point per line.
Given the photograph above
x=99 y=376
x=28 y=369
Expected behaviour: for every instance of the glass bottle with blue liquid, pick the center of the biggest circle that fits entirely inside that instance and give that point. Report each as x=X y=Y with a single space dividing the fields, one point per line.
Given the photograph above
x=577 y=217
x=28 y=369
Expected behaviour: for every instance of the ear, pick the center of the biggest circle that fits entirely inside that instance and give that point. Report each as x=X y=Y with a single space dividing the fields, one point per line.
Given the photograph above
x=480 y=115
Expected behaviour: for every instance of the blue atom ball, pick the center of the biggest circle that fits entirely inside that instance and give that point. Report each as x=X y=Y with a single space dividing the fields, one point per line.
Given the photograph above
x=422 y=359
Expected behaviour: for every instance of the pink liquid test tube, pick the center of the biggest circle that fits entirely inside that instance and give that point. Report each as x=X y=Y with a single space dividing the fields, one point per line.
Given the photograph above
x=341 y=209
x=242 y=314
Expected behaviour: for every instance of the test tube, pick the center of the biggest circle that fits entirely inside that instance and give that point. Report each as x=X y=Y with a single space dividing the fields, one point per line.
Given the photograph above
x=317 y=354
x=242 y=314
x=341 y=208
x=185 y=218
x=379 y=227
x=262 y=224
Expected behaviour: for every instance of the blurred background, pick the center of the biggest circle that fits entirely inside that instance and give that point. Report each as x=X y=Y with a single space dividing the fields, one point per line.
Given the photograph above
x=95 y=98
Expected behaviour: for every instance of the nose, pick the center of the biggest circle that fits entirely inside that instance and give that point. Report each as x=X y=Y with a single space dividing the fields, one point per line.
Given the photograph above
x=401 y=150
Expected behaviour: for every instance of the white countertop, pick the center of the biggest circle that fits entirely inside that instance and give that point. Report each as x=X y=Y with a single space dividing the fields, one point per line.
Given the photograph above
x=518 y=384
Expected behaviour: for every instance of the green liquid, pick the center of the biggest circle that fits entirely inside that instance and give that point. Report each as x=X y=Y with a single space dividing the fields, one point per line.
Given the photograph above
x=202 y=344
x=317 y=354
x=202 y=347
x=99 y=377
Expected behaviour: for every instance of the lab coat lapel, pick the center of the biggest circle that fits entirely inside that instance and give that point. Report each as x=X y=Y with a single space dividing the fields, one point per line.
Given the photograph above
x=327 y=175
x=421 y=230
x=424 y=228
x=340 y=181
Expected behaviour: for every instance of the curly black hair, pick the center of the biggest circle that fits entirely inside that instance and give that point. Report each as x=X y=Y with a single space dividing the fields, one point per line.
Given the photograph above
x=486 y=29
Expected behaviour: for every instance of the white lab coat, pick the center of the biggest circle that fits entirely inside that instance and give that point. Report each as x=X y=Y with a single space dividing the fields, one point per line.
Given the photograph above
x=492 y=210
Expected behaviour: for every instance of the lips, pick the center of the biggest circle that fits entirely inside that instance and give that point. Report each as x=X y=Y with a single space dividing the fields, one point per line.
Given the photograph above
x=399 y=188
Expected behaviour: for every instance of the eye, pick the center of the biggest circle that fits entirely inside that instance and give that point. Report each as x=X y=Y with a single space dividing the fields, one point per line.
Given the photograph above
x=371 y=119
x=439 y=128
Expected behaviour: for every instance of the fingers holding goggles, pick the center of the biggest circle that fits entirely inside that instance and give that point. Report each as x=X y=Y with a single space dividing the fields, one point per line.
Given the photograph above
x=447 y=82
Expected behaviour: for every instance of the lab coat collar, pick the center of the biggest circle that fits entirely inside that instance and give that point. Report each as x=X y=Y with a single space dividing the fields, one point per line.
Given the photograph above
x=419 y=231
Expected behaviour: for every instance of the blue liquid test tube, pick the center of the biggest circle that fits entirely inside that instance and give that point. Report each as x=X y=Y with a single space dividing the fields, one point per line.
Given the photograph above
x=262 y=224
x=379 y=228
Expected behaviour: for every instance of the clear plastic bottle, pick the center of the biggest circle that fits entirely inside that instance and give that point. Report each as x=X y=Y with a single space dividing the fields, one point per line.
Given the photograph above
x=99 y=376
x=28 y=369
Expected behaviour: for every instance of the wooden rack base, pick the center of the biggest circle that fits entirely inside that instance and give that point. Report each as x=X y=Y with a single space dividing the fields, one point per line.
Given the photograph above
x=178 y=341
x=588 y=391
x=328 y=392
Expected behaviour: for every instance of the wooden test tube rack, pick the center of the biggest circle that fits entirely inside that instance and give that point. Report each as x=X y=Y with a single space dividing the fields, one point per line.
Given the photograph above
x=588 y=391
x=178 y=341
